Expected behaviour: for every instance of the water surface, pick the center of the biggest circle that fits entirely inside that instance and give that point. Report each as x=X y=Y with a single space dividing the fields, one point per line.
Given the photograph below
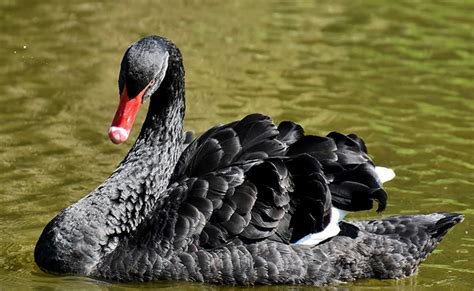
x=398 y=73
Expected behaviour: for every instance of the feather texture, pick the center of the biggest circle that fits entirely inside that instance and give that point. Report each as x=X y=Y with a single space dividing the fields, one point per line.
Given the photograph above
x=228 y=206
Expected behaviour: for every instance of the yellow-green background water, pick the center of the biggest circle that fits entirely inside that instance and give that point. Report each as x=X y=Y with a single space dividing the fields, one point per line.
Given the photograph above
x=398 y=73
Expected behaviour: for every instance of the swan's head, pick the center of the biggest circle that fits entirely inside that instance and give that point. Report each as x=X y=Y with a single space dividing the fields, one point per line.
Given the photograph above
x=143 y=69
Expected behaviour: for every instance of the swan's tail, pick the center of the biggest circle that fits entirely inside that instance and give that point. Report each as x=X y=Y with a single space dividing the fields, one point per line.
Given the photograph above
x=441 y=227
x=402 y=242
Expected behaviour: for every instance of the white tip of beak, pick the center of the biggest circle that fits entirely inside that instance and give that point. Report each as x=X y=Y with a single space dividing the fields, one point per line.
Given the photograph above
x=117 y=134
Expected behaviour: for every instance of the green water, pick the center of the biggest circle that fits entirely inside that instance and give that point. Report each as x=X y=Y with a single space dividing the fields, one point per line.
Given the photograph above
x=399 y=74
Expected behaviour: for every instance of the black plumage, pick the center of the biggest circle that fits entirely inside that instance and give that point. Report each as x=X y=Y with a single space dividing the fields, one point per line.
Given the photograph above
x=226 y=207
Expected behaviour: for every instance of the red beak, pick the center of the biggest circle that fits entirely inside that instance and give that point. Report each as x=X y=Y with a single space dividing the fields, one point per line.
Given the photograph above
x=125 y=116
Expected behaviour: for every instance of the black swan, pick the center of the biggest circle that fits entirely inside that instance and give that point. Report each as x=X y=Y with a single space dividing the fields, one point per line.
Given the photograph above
x=245 y=203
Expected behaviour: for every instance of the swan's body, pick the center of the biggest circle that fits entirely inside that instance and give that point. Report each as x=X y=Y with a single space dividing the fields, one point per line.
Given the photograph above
x=246 y=203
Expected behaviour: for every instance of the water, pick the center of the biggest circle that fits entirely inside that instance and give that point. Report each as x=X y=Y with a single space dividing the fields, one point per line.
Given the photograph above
x=399 y=74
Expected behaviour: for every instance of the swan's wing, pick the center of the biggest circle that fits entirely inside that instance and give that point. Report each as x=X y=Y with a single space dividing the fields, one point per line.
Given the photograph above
x=354 y=182
x=233 y=162
x=279 y=199
x=248 y=144
x=252 y=138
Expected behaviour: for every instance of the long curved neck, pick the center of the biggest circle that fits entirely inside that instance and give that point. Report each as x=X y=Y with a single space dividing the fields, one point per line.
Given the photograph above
x=134 y=190
x=160 y=139
x=145 y=172
x=79 y=237
x=151 y=160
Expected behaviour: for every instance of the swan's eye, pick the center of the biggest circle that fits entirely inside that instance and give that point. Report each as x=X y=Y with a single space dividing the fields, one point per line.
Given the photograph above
x=134 y=87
